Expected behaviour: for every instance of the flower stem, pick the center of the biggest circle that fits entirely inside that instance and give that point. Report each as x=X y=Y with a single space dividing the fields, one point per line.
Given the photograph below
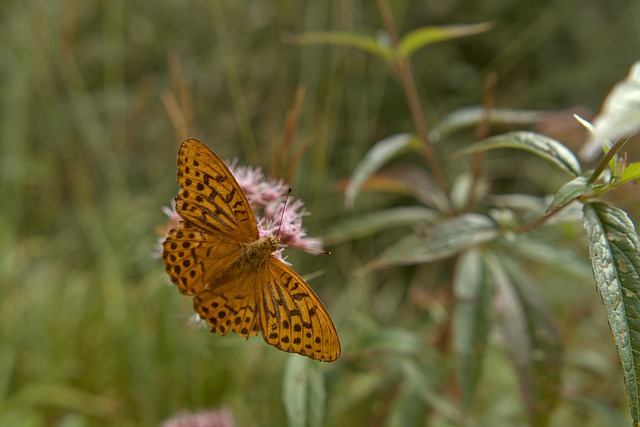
x=607 y=158
x=402 y=68
x=482 y=131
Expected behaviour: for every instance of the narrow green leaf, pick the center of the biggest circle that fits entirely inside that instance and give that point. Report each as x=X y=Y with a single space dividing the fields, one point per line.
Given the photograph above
x=303 y=393
x=23 y=416
x=376 y=222
x=63 y=396
x=620 y=114
x=549 y=254
x=533 y=342
x=408 y=409
x=614 y=249
x=442 y=240
x=415 y=375
x=631 y=173
x=411 y=181
x=378 y=155
x=337 y=38
x=584 y=122
x=421 y=37
x=543 y=146
x=471 y=322
x=396 y=340
x=527 y=208
x=469 y=117
x=569 y=192
x=8 y=361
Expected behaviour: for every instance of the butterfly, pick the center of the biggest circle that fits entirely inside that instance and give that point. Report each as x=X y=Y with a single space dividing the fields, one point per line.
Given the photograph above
x=216 y=255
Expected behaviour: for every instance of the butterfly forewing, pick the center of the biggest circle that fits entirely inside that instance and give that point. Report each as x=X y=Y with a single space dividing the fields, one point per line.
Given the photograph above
x=293 y=318
x=209 y=195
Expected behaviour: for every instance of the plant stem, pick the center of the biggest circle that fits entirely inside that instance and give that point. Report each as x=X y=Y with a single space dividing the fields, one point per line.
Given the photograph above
x=538 y=221
x=594 y=176
x=482 y=131
x=607 y=158
x=402 y=68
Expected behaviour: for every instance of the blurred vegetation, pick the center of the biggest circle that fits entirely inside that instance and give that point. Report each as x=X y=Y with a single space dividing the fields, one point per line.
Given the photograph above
x=96 y=97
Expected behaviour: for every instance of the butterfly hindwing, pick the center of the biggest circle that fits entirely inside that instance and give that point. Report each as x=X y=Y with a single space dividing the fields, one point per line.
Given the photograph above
x=228 y=312
x=192 y=258
x=292 y=317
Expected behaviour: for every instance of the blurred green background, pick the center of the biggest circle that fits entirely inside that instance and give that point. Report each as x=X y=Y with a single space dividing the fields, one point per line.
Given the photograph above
x=96 y=97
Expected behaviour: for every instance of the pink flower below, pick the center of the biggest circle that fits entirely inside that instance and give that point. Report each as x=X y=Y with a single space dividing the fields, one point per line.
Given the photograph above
x=209 y=418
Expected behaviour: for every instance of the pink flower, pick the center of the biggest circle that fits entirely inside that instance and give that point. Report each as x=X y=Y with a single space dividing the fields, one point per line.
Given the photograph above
x=267 y=198
x=210 y=418
x=292 y=233
x=172 y=220
x=171 y=213
x=249 y=178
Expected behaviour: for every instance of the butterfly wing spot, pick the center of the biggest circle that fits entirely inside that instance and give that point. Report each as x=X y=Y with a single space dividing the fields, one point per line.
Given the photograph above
x=180 y=258
x=224 y=314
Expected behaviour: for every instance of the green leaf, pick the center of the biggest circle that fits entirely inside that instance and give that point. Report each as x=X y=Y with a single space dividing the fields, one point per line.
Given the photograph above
x=569 y=192
x=23 y=416
x=543 y=146
x=533 y=342
x=408 y=409
x=442 y=240
x=8 y=361
x=396 y=340
x=469 y=117
x=631 y=173
x=614 y=249
x=369 y=224
x=415 y=376
x=549 y=254
x=527 y=208
x=303 y=393
x=620 y=114
x=377 y=156
x=411 y=181
x=471 y=322
x=421 y=37
x=337 y=38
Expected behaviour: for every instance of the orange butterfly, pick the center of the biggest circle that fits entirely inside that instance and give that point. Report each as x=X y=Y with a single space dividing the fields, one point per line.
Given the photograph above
x=216 y=255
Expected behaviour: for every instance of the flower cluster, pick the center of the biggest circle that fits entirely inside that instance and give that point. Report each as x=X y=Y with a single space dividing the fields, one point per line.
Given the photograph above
x=276 y=215
x=210 y=418
x=172 y=221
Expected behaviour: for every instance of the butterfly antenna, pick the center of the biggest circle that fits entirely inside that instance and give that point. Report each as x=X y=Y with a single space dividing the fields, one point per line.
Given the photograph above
x=319 y=251
x=284 y=207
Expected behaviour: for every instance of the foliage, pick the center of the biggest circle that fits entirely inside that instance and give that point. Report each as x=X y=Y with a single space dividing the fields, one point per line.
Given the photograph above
x=97 y=97
x=532 y=339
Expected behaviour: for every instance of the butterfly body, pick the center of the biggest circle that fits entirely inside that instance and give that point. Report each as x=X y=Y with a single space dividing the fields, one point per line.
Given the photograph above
x=238 y=285
x=254 y=256
x=259 y=251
